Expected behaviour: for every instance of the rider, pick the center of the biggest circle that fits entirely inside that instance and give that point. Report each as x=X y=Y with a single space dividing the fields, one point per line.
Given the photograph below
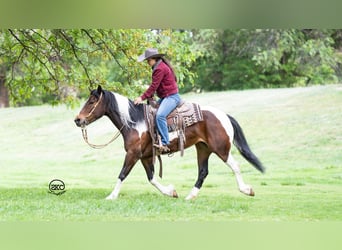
x=164 y=83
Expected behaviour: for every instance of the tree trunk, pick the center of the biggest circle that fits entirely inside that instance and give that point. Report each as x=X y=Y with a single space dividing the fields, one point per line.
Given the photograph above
x=4 y=100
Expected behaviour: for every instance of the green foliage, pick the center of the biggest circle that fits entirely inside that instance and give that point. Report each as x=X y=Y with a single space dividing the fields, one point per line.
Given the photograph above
x=240 y=59
x=58 y=65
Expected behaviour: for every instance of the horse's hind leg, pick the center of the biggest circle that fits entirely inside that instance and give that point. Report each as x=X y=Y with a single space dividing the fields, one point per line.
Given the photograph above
x=244 y=188
x=203 y=154
x=149 y=168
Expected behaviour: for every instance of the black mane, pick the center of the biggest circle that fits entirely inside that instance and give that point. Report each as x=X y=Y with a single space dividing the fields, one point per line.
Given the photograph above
x=136 y=112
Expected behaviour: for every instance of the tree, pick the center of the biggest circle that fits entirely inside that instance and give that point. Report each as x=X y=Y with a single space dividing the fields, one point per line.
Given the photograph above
x=4 y=101
x=57 y=65
x=239 y=59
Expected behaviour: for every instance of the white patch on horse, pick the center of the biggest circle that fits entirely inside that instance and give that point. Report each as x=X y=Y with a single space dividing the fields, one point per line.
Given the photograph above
x=223 y=118
x=123 y=106
x=243 y=187
x=173 y=135
x=193 y=193
x=166 y=190
x=114 y=195
x=140 y=127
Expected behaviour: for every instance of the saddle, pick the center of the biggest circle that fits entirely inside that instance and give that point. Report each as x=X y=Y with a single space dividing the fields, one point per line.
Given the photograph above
x=183 y=116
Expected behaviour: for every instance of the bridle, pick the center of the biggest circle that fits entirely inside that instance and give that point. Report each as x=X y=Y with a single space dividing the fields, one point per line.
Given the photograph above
x=93 y=109
x=85 y=134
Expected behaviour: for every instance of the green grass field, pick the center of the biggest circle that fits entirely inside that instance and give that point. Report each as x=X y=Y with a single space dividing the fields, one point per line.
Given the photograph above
x=296 y=133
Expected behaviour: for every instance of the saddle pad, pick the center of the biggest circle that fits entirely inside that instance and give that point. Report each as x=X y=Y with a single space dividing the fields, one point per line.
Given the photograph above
x=185 y=115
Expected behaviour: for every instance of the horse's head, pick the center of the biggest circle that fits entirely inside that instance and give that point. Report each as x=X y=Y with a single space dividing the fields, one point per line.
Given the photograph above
x=93 y=109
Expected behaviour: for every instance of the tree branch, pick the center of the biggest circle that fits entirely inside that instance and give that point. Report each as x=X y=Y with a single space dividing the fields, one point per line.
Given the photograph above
x=74 y=50
x=103 y=46
x=28 y=49
x=48 y=42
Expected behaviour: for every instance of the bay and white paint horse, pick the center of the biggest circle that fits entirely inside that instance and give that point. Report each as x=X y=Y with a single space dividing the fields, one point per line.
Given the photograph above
x=215 y=134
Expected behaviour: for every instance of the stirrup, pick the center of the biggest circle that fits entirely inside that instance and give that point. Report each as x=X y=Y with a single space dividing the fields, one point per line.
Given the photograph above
x=162 y=148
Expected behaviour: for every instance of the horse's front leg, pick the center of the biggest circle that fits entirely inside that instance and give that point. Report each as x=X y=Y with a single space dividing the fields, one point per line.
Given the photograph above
x=149 y=168
x=130 y=159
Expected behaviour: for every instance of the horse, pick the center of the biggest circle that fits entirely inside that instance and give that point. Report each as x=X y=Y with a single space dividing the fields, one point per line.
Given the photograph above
x=216 y=133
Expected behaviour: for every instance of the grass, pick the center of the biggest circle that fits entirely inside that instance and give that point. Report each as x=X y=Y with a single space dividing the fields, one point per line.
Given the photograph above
x=297 y=134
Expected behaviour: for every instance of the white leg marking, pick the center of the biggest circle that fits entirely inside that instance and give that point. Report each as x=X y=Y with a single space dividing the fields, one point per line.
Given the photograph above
x=114 y=195
x=193 y=193
x=166 y=190
x=244 y=188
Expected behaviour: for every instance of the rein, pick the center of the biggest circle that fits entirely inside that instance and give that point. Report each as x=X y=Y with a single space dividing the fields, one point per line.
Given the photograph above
x=85 y=134
x=85 y=137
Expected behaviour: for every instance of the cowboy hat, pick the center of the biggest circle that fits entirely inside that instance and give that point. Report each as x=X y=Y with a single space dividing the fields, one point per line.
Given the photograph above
x=148 y=54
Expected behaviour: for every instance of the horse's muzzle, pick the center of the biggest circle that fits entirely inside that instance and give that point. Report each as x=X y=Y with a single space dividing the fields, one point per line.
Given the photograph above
x=80 y=122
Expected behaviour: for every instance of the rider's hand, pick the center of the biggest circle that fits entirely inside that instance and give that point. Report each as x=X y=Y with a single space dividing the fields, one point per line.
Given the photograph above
x=138 y=100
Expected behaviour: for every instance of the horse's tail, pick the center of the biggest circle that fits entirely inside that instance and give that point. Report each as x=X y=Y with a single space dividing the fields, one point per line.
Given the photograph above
x=241 y=143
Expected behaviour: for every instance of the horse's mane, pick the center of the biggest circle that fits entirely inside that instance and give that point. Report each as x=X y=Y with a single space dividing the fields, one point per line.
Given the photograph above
x=130 y=113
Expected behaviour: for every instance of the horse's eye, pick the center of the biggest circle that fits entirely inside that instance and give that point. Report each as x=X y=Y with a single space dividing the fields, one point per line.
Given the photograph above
x=91 y=102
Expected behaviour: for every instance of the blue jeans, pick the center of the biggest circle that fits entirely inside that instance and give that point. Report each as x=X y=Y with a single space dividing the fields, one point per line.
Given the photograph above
x=167 y=104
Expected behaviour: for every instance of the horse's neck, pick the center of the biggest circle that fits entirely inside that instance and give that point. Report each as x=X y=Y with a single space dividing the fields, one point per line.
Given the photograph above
x=115 y=120
x=123 y=113
x=113 y=111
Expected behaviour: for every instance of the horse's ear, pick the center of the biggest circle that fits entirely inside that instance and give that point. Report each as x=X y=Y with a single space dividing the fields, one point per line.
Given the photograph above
x=99 y=89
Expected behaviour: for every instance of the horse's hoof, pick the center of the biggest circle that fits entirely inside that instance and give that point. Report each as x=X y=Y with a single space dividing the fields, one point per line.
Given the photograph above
x=174 y=194
x=247 y=191
x=190 y=198
x=111 y=198
x=251 y=192
x=193 y=194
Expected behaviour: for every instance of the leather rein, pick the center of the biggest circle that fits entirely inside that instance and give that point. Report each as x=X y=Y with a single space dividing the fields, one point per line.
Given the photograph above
x=85 y=134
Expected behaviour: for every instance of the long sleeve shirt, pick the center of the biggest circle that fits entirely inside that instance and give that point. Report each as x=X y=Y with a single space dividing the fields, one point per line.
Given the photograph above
x=163 y=82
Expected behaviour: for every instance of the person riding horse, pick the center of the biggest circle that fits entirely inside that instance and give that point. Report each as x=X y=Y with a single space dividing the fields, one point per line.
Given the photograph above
x=216 y=133
x=164 y=84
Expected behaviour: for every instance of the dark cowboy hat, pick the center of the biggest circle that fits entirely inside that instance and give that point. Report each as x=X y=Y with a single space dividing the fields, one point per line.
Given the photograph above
x=148 y=54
